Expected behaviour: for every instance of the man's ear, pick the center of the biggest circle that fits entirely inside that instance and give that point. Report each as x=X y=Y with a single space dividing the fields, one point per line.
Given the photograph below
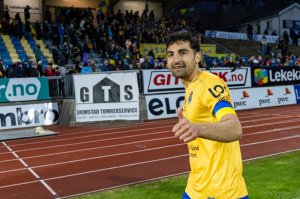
x=198 y=57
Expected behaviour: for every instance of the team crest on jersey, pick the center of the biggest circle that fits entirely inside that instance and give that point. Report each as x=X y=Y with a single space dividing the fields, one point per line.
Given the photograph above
x=190 y=97
x=211 y=198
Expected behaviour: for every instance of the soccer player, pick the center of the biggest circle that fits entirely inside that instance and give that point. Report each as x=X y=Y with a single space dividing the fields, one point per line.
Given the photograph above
x=207 y=123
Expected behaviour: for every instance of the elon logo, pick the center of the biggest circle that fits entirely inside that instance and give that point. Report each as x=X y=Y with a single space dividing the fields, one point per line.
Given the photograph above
x=261 y=76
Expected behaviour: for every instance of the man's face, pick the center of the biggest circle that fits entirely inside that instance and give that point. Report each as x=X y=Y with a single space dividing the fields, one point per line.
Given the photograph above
x=182 y=60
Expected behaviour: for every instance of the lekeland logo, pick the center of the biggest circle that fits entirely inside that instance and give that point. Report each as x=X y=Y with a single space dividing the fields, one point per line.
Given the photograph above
x=261 y=76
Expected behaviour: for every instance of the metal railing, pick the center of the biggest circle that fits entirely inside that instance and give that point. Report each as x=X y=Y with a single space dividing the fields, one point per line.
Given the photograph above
x=61 y=87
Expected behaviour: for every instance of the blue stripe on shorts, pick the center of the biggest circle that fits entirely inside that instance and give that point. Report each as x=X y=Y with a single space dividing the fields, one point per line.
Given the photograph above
x=246 y=197
x=185 y=196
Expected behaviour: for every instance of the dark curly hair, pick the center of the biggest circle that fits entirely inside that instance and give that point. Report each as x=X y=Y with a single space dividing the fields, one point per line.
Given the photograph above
x=183 y=35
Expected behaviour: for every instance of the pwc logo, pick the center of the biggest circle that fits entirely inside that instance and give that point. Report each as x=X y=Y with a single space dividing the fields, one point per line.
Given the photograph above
x=261 y=76
x=245 y=95
x=269 y=92
x=287 y=91
x=241 y=103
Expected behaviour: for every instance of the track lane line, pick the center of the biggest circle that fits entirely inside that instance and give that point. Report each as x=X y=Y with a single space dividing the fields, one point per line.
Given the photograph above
x=78 y=143
x=54 y=194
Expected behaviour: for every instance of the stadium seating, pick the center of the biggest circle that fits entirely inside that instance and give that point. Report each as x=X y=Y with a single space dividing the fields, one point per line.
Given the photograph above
x=13 y=49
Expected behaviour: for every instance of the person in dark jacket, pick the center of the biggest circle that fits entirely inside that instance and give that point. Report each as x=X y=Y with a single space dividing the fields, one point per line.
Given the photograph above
x=32 y=70
x=16 y=71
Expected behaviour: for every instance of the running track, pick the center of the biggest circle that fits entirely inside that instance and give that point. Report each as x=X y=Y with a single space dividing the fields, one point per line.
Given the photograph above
x=89 y=158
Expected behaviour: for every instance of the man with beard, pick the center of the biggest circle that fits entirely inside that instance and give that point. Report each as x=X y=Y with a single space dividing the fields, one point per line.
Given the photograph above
x=207 y=123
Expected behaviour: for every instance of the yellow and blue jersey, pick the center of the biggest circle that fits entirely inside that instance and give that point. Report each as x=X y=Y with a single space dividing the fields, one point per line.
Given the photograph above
x=216 y=167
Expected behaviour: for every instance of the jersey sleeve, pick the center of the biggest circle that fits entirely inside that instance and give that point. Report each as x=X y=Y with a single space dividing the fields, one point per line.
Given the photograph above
x=217 y=97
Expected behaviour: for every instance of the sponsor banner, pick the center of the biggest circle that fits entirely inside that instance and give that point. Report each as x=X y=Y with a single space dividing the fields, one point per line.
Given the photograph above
x=15 y=6
x=162 y=81
x=263 y=97
x=21 y=116
x=208 y=49
x=23 y=89
x=163 y=106
x=297 y=93
x=274 y=76
x=237 y=35
x=239 y=78
x=159 y=50
x=100 y=97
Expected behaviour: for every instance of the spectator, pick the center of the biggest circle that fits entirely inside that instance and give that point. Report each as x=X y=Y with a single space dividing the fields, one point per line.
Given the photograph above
x=38 y=30
x=6 y=13
x=27 y=13
x=48 y=70
x=294 y=36
x=40 y=68
x=86 y=69
x=264 y=44
x=2 y=70
x=16 y=71
x=32 y=70
x=48 y=15
x=63 y=71
x=281 y=46
x=250 y=32
x=146 y=64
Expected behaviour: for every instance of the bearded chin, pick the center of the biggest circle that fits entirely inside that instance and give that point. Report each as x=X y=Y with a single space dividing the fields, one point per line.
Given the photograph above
x=180 y=74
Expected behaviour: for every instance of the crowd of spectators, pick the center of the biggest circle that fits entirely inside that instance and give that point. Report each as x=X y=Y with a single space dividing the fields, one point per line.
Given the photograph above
x=112 y=44
x=80 y=46
x=273 y=55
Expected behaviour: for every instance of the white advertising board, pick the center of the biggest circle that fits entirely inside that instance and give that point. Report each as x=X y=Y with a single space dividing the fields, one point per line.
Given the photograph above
x=106 y=96
x=20 y=116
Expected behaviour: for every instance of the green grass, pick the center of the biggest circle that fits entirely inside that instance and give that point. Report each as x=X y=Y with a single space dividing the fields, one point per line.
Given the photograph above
x=276 y=177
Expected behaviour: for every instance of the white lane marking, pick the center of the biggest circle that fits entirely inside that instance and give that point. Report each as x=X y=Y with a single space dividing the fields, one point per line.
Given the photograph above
x=166 y=176
x=142 y=141
x=139 y=151
x=271 y=123
x=274 y=140
x=94 y=148
x=93 y=141
x=272 y=130
x=126 y=131
x=31 y=171
x=168 y=131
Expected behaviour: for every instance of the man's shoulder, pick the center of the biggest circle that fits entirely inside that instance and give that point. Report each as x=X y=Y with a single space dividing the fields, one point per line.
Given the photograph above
x=206 y=76
x=210 y=79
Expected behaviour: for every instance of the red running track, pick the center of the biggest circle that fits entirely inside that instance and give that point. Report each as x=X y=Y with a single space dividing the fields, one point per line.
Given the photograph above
x=85 y=159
